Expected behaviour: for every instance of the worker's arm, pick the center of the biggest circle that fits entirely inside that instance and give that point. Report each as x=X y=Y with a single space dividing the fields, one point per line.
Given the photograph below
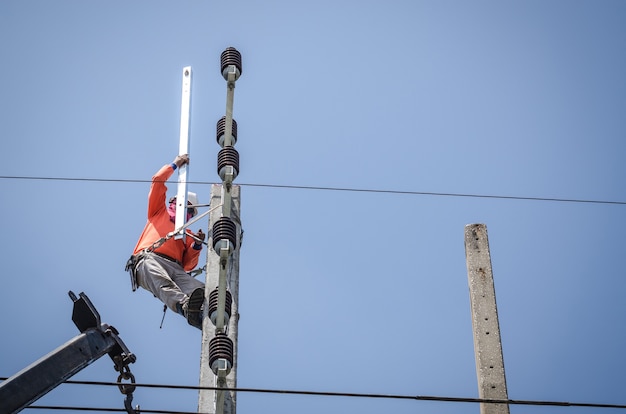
x=158 y=190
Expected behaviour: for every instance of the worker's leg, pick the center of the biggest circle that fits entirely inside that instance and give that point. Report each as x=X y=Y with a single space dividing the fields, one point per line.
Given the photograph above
x=194 y=289
x=153 y=274
x=185 y=282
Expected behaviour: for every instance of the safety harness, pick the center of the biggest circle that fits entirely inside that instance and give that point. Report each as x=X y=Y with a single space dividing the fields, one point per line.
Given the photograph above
x=132 y=262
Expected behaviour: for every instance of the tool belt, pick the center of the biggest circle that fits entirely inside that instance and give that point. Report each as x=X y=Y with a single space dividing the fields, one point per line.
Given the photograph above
x=133 y=260
x=130 y=267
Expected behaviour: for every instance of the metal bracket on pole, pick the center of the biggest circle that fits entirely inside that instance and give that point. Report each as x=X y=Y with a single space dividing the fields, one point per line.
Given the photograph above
x=226 y=201
x=183 y=171
x=221 y=287
x=230 y=98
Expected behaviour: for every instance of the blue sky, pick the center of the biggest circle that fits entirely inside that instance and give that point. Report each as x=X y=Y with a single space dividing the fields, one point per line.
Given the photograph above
x=340 y=291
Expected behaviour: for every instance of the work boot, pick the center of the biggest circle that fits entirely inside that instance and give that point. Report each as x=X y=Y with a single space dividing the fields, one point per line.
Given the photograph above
x=194 y=308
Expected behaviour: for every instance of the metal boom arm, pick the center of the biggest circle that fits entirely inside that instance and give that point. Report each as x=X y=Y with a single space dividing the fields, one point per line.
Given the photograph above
x=36 y=380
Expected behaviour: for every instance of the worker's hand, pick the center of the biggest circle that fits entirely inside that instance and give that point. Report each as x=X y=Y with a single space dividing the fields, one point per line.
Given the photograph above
x=200 y=235
x=181 y=160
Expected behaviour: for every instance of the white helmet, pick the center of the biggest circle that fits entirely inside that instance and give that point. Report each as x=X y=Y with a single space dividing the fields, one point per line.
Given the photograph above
x=192 y=199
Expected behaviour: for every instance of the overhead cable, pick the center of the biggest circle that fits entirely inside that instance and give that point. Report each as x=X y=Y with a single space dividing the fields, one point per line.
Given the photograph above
x=345 y=189
x=104 y=409
x=366 y=395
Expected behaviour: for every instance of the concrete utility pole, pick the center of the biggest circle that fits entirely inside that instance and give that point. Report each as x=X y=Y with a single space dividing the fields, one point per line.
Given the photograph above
x=487 y=343
x=208 y=399
x=218 y=360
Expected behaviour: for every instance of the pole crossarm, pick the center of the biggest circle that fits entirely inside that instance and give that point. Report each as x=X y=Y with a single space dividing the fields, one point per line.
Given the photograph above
x=183 y=148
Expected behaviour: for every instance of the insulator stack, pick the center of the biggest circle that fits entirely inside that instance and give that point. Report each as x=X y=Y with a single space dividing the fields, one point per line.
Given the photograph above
x=228 y=306
x=221 y=133
x=220 y=348
x=224 y=231
x=221 y=303
x=227 y=157
x=231 y=57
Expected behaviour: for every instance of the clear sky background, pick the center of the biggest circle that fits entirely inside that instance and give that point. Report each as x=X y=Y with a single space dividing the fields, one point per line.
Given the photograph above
x=340 y=291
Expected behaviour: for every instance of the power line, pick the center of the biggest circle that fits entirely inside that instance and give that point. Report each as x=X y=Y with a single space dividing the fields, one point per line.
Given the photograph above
x=104 y=409
x=346 y=189
x=361 y=395
x=562 y=200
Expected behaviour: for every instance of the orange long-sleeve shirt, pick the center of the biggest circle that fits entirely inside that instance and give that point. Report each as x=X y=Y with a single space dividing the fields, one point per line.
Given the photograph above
x=159 y=225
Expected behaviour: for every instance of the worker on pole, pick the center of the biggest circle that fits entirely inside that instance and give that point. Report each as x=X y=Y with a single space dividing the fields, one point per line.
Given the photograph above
x=159 y=262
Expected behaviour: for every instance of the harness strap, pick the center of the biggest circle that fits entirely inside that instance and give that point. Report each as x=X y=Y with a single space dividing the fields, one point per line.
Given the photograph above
x=166 y=257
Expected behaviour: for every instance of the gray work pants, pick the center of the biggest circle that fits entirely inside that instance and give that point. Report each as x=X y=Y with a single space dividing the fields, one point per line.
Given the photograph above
x=167 y=280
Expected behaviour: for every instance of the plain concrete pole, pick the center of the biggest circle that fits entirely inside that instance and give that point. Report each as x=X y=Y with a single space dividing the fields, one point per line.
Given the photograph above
x=487 y=342
x=208 y=399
